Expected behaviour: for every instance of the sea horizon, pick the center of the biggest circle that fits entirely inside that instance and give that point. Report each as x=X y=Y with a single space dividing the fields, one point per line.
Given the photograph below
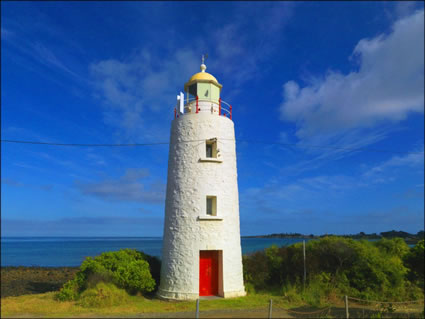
x=269 y=234
x=67 y=251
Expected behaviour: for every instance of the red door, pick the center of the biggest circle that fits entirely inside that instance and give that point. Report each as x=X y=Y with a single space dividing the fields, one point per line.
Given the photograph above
x=208 y=273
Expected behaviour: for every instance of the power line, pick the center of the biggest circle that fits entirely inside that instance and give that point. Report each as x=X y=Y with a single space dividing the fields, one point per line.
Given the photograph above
x=331 y=147
x=239 y=140
x=83 y=144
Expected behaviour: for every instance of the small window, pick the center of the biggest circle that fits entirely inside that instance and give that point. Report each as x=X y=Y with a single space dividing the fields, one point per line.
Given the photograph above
x=211 y=148
x=192 y=90
x=212 y=205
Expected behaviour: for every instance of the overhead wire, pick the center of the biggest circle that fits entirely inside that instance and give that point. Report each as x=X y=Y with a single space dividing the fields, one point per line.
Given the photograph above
x=238 y=140
x=83 y=144
x=331 y=147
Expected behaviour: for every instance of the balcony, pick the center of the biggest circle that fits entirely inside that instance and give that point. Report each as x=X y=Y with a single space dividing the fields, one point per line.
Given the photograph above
x=197 y=105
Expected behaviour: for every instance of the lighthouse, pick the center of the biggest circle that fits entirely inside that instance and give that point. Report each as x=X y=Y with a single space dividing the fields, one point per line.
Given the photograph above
x=201 y=253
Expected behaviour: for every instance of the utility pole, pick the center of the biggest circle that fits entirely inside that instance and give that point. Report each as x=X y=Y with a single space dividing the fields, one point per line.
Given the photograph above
x=305 y=272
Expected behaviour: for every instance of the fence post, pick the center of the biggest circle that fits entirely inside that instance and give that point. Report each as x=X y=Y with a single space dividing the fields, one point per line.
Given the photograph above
x=347 y=315
x=175 y=112
x=197 y=308
x=270 y=309
x=230 y=112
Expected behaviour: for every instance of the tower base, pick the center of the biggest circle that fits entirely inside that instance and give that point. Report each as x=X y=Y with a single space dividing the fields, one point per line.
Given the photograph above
x=173 y=295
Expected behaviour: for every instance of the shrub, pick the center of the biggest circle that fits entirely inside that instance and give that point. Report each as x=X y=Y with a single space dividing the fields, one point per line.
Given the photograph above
x=414 y=261
x=256 y=271
x=135 y=276
x=69 y=291
x=337 y=265
x=127 y=268
x=290 y=293
x=249 y=288
x=103 y=295
x=375 y=273
x=394 y=247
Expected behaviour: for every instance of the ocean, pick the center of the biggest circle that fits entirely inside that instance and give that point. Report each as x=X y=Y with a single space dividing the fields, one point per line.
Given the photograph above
x=71 y=251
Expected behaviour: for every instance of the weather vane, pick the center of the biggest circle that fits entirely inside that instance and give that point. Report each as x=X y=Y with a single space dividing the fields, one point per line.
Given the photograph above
x=204 y=57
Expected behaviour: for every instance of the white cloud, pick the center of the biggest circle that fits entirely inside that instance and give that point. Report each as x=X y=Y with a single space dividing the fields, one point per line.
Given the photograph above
x=15 y=183
x=11 y=182
x=412 y=160
x=134 y=88
x=88 y=226
x=238 y=52
x=6 y=34
x=404 y=8
x=299 y=193
x=325 y=147
x=39 y=57
x=284 y=138
x=388 y=86
x=47 y=57
x=125 y=188
x=279 y=197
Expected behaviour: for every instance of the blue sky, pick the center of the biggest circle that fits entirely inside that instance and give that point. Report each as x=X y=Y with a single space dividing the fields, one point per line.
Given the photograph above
x=341 y=76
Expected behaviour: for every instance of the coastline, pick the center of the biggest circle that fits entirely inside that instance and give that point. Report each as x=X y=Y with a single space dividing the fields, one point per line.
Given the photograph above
x=410 y=239
x=17 y=281
x=22 y=280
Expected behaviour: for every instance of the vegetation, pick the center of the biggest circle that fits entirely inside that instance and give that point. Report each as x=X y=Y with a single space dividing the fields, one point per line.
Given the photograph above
x=409 y=238
x=122 y=283
x=103 y=295
x=414 y=261
x=127 y=269
x=382 y=270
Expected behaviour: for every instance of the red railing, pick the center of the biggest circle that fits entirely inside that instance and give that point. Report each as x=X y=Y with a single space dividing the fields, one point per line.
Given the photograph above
x=197 y=104
x=224 y=108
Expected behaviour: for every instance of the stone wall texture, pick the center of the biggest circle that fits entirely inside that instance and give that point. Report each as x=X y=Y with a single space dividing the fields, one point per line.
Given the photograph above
x=190 y=181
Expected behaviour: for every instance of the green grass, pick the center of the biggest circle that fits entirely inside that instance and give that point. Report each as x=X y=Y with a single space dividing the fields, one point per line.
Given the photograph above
x=44 y=305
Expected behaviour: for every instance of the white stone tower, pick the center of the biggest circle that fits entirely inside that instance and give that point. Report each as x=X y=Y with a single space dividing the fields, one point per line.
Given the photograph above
x=201 y=254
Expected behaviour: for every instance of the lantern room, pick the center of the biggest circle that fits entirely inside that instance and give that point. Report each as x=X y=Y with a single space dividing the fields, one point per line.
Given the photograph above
x=204 y=86
x=202 y=95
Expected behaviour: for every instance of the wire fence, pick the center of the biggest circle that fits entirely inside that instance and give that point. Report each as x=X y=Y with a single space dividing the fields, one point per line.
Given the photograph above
x=362 y=308
x=347 y=307
x=385 y=302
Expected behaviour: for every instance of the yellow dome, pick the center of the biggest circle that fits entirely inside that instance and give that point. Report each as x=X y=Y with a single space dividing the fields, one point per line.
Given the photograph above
x=202 y=77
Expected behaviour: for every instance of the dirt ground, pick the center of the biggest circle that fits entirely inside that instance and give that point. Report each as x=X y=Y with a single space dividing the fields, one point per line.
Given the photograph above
x=17 y=281
x=303 y=312
x=356 y=311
